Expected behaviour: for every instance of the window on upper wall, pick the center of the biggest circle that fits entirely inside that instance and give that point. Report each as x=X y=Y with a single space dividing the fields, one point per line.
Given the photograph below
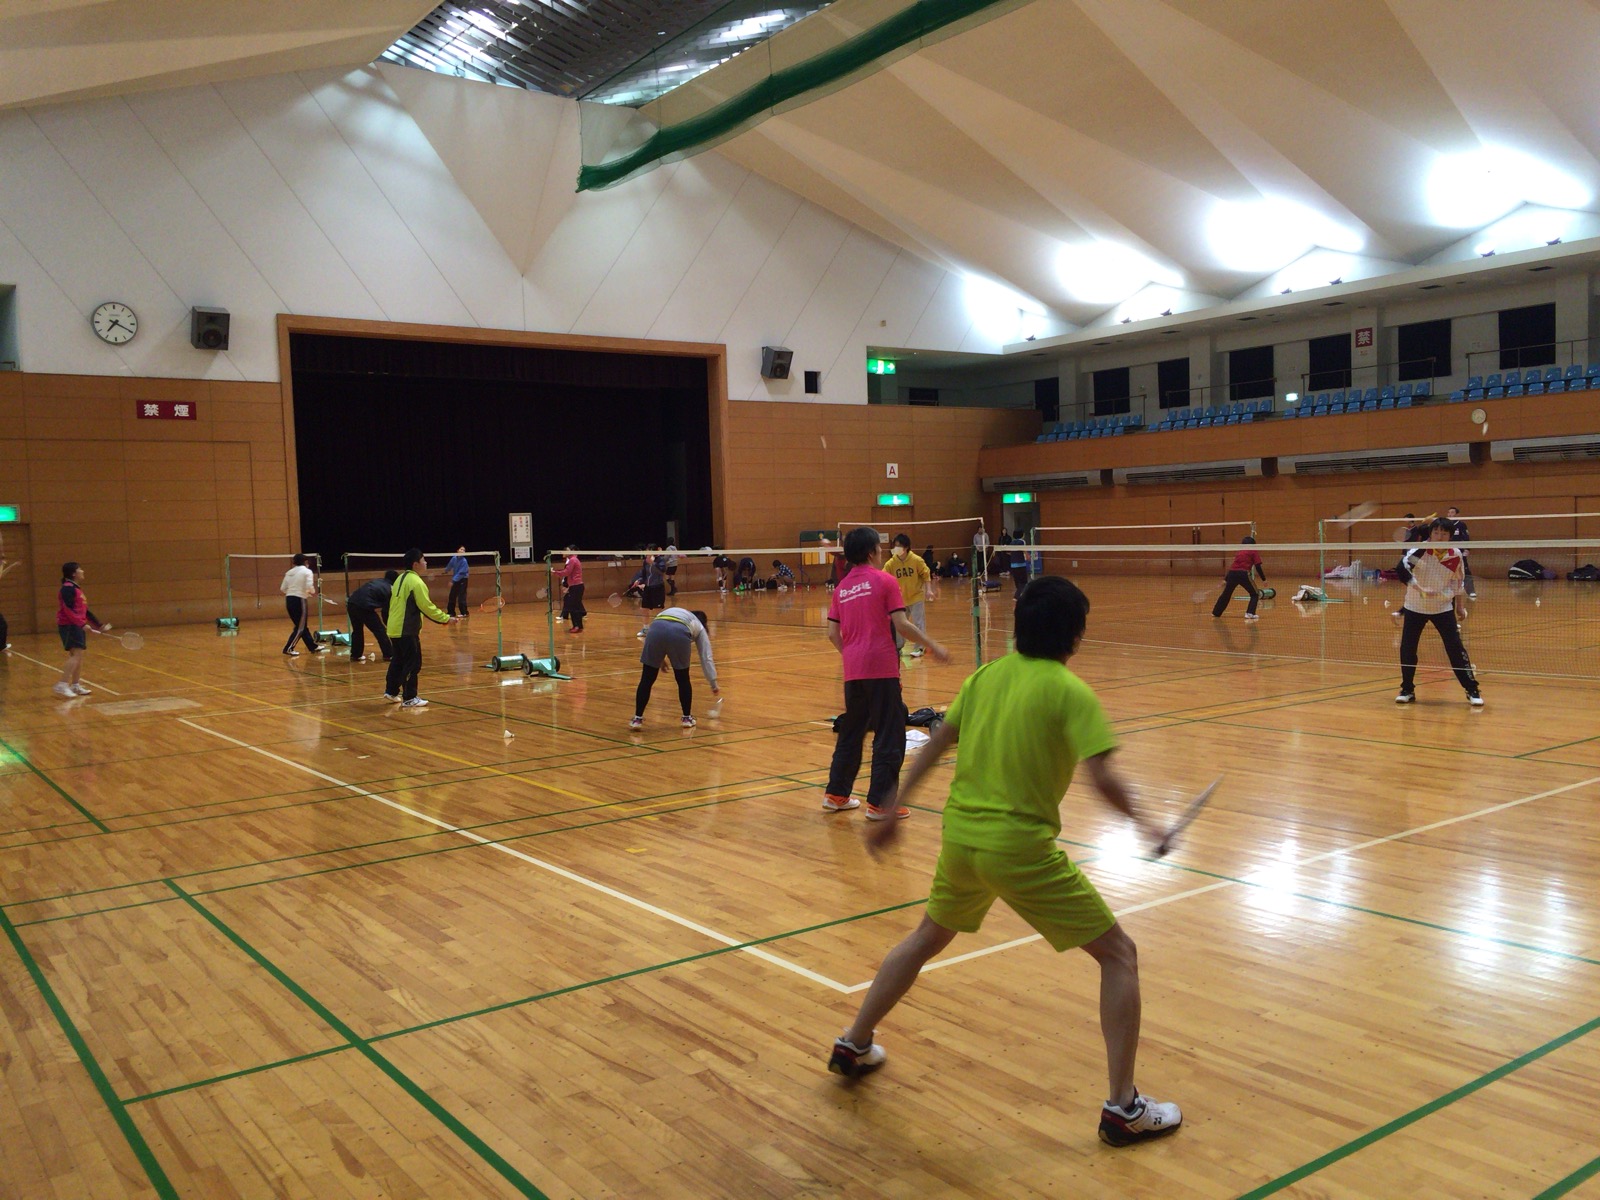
x=1250 y=373
x=1527 y=336
x=1424 y=350
x=1111 y=391
x=1172 y=382
x=1047 y=398
x=1330 y=363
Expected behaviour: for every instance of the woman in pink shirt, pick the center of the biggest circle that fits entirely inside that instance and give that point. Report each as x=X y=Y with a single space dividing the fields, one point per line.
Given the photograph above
x=863 y=617
x=1244 y=563
x=571 y=575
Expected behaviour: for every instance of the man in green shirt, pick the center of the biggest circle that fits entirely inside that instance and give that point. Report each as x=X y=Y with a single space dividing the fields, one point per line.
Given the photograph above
x=409 y=602
x=1024 y=722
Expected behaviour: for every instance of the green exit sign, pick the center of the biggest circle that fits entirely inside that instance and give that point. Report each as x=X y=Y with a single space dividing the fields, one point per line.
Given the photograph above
x=894 y=499
x=10 y=514
x=880 y=366
x=1017 y=498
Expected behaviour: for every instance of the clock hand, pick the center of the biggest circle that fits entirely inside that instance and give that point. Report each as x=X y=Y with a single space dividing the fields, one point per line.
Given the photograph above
x=118 y=323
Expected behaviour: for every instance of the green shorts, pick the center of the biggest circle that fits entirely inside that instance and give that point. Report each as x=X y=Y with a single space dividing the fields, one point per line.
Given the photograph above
x=1048 y=892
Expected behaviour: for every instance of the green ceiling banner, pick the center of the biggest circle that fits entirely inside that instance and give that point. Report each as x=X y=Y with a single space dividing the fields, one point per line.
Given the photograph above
x=696 y=116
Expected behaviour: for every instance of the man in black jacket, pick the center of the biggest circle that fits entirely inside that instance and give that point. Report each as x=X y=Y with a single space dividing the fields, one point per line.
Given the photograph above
x=368 y=607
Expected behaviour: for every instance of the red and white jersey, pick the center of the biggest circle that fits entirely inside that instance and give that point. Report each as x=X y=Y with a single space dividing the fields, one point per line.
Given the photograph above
x=1436 y=577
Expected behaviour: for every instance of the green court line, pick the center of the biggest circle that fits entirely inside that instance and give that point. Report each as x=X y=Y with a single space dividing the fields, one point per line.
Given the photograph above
x=536 y=998
x=119 y=1113
x=52 y=785
x=1559 y=746
x=454 y=847
x=1372 y=1136
x=406 y=1084
x=1561 y=1187
x=1350 y=737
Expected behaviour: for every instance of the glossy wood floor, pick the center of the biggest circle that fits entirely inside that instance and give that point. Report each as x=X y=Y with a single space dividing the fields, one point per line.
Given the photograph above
x=270 y=936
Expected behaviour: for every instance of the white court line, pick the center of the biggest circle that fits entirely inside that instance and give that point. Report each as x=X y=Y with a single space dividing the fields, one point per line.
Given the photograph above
x=57 y=670
x=703 y=930
x=1249 y=879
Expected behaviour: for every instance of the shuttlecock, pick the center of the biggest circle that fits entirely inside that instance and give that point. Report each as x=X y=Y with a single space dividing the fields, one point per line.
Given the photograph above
x=1536 y=602
x=509 y=735
x=1386 y=604
x=1363 y=599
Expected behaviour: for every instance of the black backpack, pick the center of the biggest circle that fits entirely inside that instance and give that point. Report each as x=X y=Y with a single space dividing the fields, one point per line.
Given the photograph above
x=1525 y=568
x=1588 y=573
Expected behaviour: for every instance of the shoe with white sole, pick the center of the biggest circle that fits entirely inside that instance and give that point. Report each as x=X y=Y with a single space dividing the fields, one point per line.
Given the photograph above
x=414 y=702
x=854 y=1061
x=1140 y=1121
x=832 y=803
x=1251 y=617
x=79 y=690
x=1406 y=698
x=64 y=690
x=687 y=722
x=635 y=722
x=874 y=813
x=391 y=698
x=1475 y=700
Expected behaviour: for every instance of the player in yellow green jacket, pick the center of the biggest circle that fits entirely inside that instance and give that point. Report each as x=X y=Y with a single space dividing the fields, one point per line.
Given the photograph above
x=408 y=604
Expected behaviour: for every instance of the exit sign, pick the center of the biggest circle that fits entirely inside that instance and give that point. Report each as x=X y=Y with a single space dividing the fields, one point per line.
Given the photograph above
x=880 y=366
x=10 y=514
x=894 y=499
x=1017 y=498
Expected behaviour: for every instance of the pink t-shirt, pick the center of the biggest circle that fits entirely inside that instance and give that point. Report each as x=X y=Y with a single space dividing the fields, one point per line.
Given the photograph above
x=571 y=571
x=862 y=604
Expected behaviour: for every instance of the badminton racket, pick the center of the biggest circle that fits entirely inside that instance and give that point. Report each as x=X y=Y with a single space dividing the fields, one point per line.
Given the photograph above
x=129 y=640
x=1189 y=814
x=1359 y=512
x=543 y=593
x=615 y=600
x=494 y=602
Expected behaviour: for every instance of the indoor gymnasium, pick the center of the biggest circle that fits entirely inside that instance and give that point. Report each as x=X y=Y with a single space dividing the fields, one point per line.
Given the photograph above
x=868 y=599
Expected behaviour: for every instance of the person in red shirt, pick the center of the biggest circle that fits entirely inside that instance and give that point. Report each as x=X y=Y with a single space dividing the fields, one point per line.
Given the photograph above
x=865 y=613
x=1239 y=571
x=72 y=618
x=571 y=575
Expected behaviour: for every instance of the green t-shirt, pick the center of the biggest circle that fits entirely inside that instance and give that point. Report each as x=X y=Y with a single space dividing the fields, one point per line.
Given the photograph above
x=1024 y=725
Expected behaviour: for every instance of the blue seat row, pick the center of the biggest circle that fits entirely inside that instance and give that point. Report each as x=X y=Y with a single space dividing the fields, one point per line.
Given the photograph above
x=1325 y=405
x=1240 y=412
x=1535 y=381
x=1094 y=427
x=1581 y=384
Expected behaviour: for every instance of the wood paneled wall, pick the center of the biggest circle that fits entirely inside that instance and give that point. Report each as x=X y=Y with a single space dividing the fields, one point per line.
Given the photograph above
x=808 y=466
x=149 y=507
x=1286 y=507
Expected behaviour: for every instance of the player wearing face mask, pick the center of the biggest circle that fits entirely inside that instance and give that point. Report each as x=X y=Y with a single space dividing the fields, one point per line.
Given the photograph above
x=912 y=574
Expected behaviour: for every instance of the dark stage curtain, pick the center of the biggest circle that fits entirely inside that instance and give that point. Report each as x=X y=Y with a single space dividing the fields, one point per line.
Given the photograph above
x=405 y=443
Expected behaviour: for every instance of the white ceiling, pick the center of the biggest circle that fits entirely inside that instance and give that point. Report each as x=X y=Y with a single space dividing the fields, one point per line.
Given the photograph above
x=1112 y=159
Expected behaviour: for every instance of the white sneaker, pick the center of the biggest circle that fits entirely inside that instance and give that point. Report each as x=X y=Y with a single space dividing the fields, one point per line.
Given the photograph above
x=852 y=1061
x=79 y=690
x=391 y=699
x=635 y=722
x=1251 y=617
x=1475 y=700
x=1140 y=1121
x=62 y=688
x=839 y=803
x=1406 y=698
x=414 y=702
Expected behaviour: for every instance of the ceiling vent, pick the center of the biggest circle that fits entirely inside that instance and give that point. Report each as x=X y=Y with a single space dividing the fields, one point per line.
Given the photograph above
x=1049 y=482
x=1546 y=449
x=1401 y=458
x=1208 y=472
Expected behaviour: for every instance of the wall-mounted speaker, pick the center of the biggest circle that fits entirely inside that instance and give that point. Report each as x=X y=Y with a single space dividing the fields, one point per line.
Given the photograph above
x=208 y=328
x=775 y=362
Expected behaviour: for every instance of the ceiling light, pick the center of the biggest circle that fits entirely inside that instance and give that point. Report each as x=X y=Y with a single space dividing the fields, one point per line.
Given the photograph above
x=1107 y=273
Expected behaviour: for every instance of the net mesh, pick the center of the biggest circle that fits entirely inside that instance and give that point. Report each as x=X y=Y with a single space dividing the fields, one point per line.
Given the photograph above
x=936 y=541
x=253 y=585
x=484 y=595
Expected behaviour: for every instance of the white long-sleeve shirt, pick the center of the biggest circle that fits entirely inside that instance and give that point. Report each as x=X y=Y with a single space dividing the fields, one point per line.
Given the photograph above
x=298 y=581
x=1436 y=577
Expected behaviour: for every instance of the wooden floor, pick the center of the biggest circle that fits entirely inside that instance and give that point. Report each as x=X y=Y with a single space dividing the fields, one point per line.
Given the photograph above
x=270 y=936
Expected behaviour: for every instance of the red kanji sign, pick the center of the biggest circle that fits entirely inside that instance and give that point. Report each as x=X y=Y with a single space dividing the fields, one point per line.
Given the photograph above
x=1364 y=337
x=165 y=410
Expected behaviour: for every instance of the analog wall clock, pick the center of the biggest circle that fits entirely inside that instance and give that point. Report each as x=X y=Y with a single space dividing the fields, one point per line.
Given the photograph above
x=114 y=322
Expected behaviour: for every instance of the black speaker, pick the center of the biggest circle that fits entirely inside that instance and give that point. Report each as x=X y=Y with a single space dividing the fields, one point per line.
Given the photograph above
x=208 y=328
x=775 y=361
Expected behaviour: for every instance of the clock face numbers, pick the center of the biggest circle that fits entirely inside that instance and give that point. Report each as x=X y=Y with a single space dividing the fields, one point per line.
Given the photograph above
x=115 y=323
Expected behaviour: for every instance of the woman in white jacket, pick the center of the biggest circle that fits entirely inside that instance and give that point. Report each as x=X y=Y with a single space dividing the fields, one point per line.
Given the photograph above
x=1435 y=596
x=298 y=586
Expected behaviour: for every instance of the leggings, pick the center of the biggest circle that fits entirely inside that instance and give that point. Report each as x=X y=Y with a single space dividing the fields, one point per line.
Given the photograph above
x=458 y=598
x=1449 y=633
x=299 y=610
x=647 y=680
x=1236 y=579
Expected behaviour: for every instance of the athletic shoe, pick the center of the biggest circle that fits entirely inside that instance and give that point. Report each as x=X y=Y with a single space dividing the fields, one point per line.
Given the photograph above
x=1472 y=595
x=639 y=634
x=918 y=652
x=414 y=702
x=1251 y=617
x=319 y=649
x=79 y=690
x=874 y=813
x=1139 y=1122
x=8 y=647
x=1406 y=698
x=572 y=631
x=635 y=722
x=831 y=803
x=853 y=1061
x=64 y=689
x=292 y=653
x=391 y=699
x=1475 y=700
x=687 y=722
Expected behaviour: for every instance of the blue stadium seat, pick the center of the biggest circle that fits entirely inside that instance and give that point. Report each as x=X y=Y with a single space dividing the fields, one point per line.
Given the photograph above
x=1555 y=385
x=1514 y=389
x=1532 y=375
x=1403 y=402
x=1534 y=388
x=1372 y=394
x=1372 y=405
x=1385 y=394
x=1423 y=389
x=1388 y=402
x=1476 y=393
x=1579 y=384
x=1474 y=381
x=1497 y=393
x=1551 y=374
x=1493 y=381
x=1457 y=396
x=1575 y=371
x=1593 y=371
x=1404 y=389
x=1336 y=398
